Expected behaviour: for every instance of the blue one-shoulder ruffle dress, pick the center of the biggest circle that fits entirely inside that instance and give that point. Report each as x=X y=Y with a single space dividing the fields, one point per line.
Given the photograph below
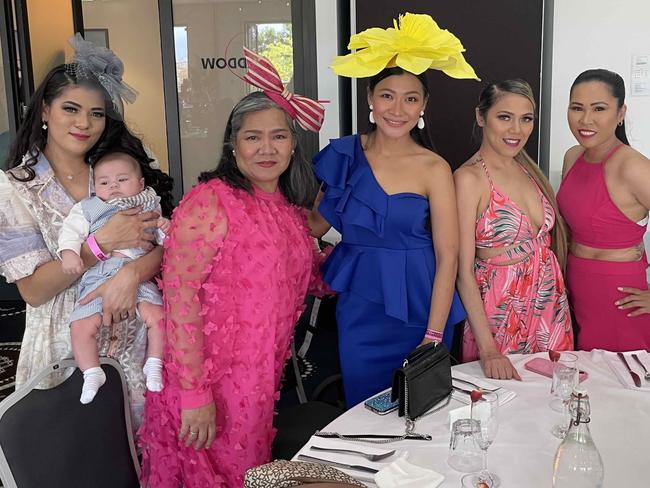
x=383 y=269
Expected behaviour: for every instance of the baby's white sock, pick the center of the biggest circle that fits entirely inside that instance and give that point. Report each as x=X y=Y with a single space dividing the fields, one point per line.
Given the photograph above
x=153 y=371
x=94 y=378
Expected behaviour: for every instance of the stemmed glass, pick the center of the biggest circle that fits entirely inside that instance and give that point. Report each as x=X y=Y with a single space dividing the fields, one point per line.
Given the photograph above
x=566 y=379
x=486 y=413
x=565 y=360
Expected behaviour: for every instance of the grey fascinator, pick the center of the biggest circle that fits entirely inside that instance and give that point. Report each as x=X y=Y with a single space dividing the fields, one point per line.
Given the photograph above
x=101 y=64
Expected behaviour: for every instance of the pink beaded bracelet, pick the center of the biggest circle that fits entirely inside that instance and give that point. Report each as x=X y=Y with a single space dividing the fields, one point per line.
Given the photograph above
x=434 y=335
x=95 y=249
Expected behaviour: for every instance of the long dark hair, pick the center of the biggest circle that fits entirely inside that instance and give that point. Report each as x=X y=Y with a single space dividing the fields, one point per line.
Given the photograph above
x=119 y=139
x=31 y=138
x=297 y=183
x=490 y=95
x=420 y=136
x=616 y=85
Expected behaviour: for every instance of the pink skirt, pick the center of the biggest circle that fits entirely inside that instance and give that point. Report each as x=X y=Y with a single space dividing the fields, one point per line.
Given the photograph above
x=593 y=290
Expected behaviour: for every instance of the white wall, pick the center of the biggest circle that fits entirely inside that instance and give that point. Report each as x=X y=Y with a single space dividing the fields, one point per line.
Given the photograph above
x=597 y=34
x=328 y=83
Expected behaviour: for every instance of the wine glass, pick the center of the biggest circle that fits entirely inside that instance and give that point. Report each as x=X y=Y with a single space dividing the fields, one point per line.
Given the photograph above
x=486 y=412
x=566 y=380
x=566 y=359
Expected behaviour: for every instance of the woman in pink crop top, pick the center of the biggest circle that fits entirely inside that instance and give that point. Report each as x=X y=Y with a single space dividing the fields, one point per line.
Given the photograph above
x=605 y=198
x=511 y=238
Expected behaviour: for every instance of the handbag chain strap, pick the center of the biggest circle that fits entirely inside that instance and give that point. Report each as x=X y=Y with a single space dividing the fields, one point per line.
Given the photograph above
x=410 y=423
x=409 y=432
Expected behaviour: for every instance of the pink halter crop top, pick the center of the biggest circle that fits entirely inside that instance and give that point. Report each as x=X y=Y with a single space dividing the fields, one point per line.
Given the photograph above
x=503 y=224
x=590 y=213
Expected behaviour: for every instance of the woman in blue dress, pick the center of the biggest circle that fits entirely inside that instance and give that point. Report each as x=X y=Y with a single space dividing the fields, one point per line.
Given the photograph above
x=392 y=199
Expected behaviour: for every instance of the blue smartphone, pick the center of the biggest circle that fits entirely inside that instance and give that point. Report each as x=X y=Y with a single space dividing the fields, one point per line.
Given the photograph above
x=381 y=404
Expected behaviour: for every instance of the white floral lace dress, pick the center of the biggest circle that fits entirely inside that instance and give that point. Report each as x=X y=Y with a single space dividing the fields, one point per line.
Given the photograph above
x=31 y=214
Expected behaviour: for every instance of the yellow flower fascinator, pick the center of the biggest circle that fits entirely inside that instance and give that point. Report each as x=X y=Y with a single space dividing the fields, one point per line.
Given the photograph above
x=415 y=43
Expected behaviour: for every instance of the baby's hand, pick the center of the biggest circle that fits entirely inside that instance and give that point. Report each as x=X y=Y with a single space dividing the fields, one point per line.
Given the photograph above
x=71 y=262
x=164 y=225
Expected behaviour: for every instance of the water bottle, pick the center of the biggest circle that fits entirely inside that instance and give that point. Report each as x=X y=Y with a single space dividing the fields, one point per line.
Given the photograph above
x=577 y=461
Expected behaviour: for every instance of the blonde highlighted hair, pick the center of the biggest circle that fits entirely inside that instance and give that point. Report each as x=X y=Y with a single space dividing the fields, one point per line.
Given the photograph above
x=489 y=96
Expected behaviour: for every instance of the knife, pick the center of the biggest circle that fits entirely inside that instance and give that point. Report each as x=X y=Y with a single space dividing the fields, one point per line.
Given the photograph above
x=635 y=377
x=358 y=467
x=392 y=437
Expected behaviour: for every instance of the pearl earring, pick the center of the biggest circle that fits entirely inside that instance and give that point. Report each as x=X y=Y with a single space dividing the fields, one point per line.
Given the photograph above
x=44 y=126
x=371 y=116
x=421 y=120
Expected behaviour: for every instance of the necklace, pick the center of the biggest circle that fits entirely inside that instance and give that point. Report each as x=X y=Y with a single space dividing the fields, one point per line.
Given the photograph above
x=72 y=176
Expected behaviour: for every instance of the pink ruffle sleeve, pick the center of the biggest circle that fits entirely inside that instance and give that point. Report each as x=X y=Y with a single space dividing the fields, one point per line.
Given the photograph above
x=199 y=226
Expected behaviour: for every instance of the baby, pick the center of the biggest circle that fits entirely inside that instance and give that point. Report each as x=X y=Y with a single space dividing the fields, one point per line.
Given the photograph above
x=119 y=185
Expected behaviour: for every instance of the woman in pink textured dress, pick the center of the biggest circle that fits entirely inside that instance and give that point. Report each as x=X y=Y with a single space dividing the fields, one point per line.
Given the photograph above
x=237 y=265
x=512 y=241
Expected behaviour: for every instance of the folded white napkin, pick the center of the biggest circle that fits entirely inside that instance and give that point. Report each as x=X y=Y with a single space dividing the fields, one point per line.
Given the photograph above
x=463 y=412
x=345 y=458
x=621 y=372
x=400 y=473
x=504 y=394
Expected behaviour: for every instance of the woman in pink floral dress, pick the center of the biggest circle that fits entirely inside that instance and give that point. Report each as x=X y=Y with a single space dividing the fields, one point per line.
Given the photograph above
x=512 y=241
x=237 y=265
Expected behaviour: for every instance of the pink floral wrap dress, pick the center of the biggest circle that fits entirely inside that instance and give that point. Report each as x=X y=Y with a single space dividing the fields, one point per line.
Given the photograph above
x=526 y=302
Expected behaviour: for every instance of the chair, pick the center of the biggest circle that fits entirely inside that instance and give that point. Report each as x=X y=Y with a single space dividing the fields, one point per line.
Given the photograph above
x=296 y=423
x=48 y=438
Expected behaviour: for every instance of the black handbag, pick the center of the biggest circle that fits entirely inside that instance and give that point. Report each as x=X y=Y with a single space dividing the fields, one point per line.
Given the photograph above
x=423 y=381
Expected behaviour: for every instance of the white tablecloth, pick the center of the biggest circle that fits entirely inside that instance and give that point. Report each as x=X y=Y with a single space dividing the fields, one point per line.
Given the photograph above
x=523 y=452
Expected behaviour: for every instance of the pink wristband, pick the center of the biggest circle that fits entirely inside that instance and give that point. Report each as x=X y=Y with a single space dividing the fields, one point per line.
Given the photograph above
x=434 y=335
x=95 y=249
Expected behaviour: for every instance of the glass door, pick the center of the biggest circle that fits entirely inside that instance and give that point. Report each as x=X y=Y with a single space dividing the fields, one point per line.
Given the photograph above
x=6 y=96
x=208 y=40
x=116 y=24
x=11 y=100
x=14 y=76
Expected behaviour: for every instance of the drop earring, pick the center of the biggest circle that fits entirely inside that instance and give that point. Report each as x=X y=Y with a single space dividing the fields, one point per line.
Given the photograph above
x=371 y=116
x=44 y=126
x=421 y=120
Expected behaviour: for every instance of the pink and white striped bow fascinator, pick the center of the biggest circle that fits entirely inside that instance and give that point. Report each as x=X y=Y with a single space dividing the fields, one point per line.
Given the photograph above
x=262 y=74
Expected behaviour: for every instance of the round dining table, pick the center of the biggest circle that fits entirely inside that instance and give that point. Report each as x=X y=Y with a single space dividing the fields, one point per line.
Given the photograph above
x=524 y=449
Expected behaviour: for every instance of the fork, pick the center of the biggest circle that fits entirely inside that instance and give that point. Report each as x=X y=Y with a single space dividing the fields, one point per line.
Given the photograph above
x=479 y=388
x=369 y=457
x=646 y=375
